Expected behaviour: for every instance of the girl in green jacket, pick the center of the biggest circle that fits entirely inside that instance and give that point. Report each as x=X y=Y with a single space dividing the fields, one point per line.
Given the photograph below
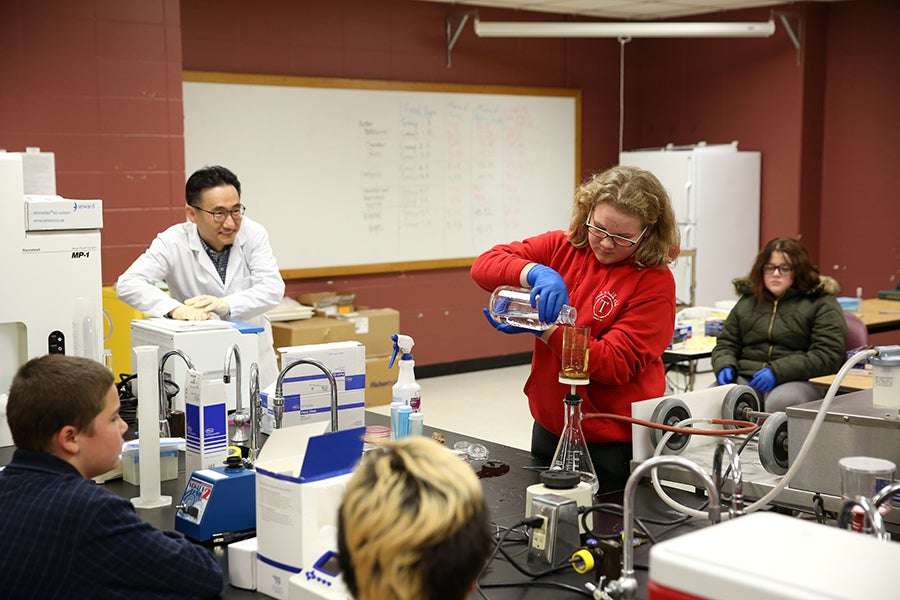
x=786 y=328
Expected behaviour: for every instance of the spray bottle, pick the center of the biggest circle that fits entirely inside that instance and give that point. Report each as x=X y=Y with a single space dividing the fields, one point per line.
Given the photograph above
x=406 y=391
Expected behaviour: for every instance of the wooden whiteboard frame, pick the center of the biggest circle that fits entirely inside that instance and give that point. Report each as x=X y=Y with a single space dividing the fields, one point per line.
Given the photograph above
x=367 y=84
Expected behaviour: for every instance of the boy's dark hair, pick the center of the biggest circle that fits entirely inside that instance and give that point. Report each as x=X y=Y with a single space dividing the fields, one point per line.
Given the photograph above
x=208 y=177
x=52 y=391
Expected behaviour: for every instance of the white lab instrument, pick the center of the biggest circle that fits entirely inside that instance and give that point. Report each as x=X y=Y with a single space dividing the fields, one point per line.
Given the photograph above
x=323 y=581
x=794 y=462
x=781 y=558
x=886 y=380
x=53 y=303
x=205 y=342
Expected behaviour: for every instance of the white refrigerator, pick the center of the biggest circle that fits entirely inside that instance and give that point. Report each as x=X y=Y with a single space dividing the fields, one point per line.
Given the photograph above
x=715 y=192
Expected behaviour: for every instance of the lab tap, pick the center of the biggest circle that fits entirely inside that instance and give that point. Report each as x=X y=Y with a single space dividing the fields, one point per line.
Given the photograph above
x=625 y=587
x=240 y=419
x=163 y=401
x=278 y=401
x=255 y=412
x=737 y=495
x=884 y=493
x=871 y=509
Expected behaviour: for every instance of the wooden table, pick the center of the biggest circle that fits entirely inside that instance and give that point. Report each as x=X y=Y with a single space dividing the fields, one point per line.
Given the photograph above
x=690 y=356
x=852 y=382
x=880 y=315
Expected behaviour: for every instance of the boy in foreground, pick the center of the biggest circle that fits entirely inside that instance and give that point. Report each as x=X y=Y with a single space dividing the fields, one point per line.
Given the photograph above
x=62 y=535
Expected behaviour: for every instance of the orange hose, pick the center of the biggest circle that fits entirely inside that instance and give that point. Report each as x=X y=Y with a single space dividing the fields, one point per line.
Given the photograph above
x=747 y=427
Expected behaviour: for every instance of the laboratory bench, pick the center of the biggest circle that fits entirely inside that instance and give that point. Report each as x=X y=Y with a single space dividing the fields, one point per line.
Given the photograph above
x=510 y=472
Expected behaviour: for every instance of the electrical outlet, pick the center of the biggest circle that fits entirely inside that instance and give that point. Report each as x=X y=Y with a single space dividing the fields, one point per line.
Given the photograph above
x=539 y=535
x=557 y=537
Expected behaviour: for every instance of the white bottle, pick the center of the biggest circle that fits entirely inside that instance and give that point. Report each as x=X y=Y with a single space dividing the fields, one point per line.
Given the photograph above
x=406 y=390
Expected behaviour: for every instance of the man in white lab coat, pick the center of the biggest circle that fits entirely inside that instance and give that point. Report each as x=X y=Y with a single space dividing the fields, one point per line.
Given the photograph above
x=218 y=262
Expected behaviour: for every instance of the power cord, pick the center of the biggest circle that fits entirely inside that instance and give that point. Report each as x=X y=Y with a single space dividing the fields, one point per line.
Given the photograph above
x=529 y=522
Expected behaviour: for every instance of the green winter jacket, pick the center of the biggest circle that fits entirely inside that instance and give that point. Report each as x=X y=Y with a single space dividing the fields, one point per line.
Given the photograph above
x=798 y=336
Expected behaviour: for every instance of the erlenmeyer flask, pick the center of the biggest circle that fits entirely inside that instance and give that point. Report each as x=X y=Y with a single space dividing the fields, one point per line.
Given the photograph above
x=572 y=451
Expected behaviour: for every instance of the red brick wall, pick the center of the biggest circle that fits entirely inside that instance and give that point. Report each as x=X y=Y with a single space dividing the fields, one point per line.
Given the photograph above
x=98 y=82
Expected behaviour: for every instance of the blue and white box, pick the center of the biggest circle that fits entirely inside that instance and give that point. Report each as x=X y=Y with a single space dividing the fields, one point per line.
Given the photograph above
x=206 y=422
x=306 y=389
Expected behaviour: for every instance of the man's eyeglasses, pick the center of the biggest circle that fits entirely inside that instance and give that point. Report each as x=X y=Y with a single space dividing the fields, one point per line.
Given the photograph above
x=769 y=268
x=618 y=240
x=219 y=216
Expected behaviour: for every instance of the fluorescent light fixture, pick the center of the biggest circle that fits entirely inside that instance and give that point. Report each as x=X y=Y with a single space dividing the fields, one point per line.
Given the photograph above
x=627 y=29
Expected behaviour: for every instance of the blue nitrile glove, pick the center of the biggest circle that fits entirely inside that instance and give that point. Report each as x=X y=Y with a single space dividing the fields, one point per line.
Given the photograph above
x=763 y=381
x=549 y=285
x=725 y=376
x=507 y=328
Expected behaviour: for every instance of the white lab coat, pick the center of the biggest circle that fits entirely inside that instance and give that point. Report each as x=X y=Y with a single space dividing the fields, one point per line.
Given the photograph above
x=252 y=285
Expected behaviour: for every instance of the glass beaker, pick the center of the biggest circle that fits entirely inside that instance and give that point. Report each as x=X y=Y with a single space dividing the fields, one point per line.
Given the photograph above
x=572 y=451
x=575 y=350
x=864 y=476
x=512 y=305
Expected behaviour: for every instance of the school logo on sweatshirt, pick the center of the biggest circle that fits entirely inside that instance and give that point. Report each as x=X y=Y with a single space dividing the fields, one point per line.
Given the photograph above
x=604 y=303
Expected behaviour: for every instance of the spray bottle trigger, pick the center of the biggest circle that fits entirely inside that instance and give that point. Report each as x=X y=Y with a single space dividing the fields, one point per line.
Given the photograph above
x=394 y=353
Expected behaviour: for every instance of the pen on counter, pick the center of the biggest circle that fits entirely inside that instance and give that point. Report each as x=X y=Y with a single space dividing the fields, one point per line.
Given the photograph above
x=889 y=312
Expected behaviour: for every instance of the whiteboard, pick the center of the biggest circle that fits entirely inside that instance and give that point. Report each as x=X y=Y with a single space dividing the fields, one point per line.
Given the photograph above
x=383 y=177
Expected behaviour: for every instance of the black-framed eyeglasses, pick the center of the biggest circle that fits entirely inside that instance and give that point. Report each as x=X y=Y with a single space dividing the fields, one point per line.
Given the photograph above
x=618 y=240
x=769 y=268
x=219 y=216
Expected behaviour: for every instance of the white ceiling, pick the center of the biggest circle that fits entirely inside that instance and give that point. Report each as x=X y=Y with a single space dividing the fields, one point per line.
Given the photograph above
x=640 y=10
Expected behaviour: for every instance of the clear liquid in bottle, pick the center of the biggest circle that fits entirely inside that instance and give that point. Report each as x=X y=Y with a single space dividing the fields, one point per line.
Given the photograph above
x=512 y=305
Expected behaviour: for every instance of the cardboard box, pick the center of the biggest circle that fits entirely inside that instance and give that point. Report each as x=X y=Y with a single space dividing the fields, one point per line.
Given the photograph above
x=307 y=393
x=373 y=328
x=329 y=302
x=316 y=330
x=379 y=380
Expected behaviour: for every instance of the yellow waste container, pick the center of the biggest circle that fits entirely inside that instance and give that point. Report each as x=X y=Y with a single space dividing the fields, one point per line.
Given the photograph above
x=117 y=330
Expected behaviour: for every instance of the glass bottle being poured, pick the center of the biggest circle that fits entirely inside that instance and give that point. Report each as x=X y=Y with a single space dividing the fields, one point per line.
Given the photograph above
x=572 y=451
x=512 y=305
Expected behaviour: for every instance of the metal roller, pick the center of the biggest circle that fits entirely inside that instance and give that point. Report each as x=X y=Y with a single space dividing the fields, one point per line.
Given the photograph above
x=741 y=403
x=670 y=411
x=773 y=444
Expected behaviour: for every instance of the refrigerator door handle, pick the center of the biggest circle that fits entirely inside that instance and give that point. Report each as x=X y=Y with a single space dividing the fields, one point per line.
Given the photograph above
x=689 y=201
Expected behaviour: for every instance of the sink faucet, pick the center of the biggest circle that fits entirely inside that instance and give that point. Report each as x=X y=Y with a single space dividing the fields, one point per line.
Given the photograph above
x=255 y=412
x=278 y=401
x=163 y=401
x=240 y=418
x=737 y=496
x=625 y=587
x=885 y=493
x=872 y=514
